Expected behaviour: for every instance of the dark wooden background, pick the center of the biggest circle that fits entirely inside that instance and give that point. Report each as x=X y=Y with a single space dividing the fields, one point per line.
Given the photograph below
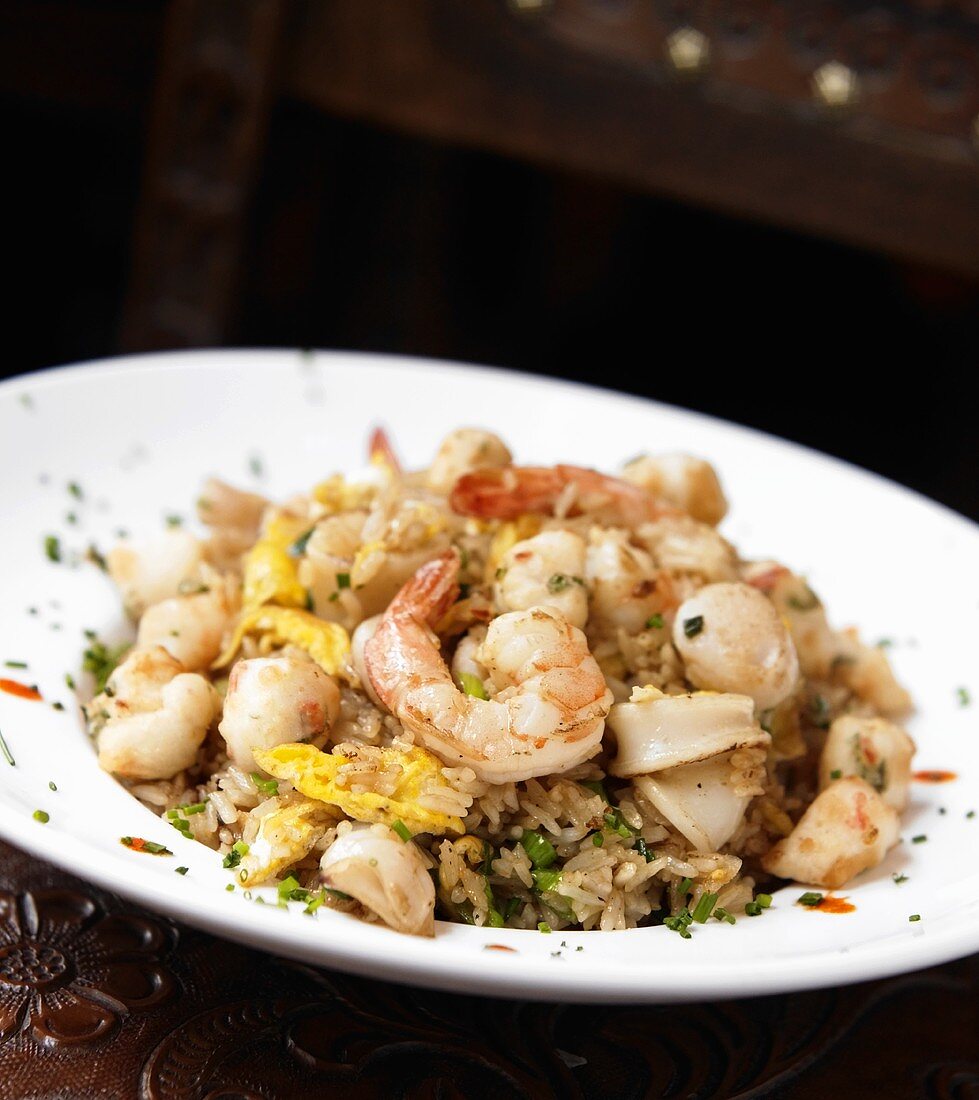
x=533 y=184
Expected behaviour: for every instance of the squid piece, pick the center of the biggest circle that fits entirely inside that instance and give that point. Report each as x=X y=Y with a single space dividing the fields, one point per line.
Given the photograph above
x=385 y=874
x=847 y=829
x=656 y=731
x=699 y=800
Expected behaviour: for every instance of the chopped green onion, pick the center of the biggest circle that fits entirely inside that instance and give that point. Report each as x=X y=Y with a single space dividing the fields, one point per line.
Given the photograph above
x=494 y=918
x=41 y=815
x=472 y=685
x=598 y=839
x=6 y=751
x=919 y=839
x=655 y=622
x=193 y=808
x=230 y=887
x=693 y=626
x=173 y=520
x=704 y=907
x=52 y=548
x=402 y=830
x=15 y=664
x=233 y=858
x=512 y=905
x=543 y=926
x=914 y=917
x=268 y=787
x=75 y=490
x=764 y=900
x=180 y=870
x=52 y=786
x=316 y=902
x=290 y=890
x=138 y=844
x=721 y=914
x=898 y=879
x=69 y=681
x=810 y=898
x=545 y=881
x=255 y=465
x=343 y=580
x=538 y=848
x=836 y=773
x=298 y=548
x=684 y=886
x=680 y=923
x=617 y=823
x=753 y=909
x=558 y=582
x=964 y=697
x=598 y=787
x=643 y=849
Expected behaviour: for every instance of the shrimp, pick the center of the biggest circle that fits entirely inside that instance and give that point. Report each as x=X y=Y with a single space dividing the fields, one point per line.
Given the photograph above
x=510 y=491
x=623 y=583
x=551 y=703
x=150 y=571
x=154 y=716
x=546 y=569
x=275 y=700
x=463 y=451
x=689 y=483
x=190 y=627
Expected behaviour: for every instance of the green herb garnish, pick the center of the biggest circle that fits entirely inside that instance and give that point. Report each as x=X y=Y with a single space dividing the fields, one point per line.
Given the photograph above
x=269 y=787
x=6 y=751
x=52 y=786
x=914 y=917
x=298 y=548
x=898 y=879
x=721 y=914
x=836 y=773
x=693 y=626
x=545 y=880
x=704 y=907
x=655 y=622
x=472 y=685
x=101 y=660
x=52 y=547
x=543 y=926
x=810 y=898
x=75 y=490
x=180 y=870
x=402 y=830
x=15 y=664
x=538 y=848
x=41 y=815
x=680 y=923
x=343 y=580
x=963 y=696
x=919 y=839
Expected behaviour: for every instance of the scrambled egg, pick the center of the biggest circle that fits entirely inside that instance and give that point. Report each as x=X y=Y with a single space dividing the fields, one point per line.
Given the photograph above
x=336 y=494
x=271 y=574
x=284 y=837
x=315 y=773
x=327 y=643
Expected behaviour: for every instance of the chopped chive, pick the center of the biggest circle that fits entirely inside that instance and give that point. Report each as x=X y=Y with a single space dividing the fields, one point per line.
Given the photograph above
x=41 y=815
x=598 y=787
x=543 y=926
x=704 y=907
x=836 y=773
x=810 y=898
x=52 y=786
x=914 y=917
x=617 y=824
x=268 y=787
x=598 y=839
x=70 y=681
x=643 y=849
x=52 y=548
x=298 y=548
x=970 y=814
x=545 y=881
x=174 y=520
x=764 y=900
x=655 y=622
x=6 y=751
x=512 y=905
x=255 y=465
x=472 y=685
x=75 y=490
x=138 y=844
x=753 y=909
x=558 y=582
x=343 y=580
x=230 y=887
x=15 y=664
x=402 y=830
x=538 y=848
x=494 y=918
x=680 y=923
x=684 y=886
x=693 y=626
x=963 y=696
x=180 y=870
x=314 y=904
x=898 y=879
x=721 y=914
x=233 y=858
x=919 y=839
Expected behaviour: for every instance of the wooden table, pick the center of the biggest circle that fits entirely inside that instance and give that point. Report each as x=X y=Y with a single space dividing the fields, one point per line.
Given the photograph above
x=101 y=999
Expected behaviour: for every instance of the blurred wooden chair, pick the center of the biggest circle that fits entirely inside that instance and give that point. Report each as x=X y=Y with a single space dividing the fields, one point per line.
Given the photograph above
x=856 y=122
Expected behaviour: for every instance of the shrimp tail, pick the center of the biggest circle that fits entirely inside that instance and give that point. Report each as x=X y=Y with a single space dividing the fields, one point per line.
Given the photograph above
x=506 y=492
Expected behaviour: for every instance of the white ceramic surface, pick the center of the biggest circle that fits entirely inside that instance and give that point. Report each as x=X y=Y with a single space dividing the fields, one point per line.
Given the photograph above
x=138 y=435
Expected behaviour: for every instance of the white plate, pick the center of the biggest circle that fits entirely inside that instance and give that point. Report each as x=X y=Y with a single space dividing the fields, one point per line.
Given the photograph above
x=138 y=435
